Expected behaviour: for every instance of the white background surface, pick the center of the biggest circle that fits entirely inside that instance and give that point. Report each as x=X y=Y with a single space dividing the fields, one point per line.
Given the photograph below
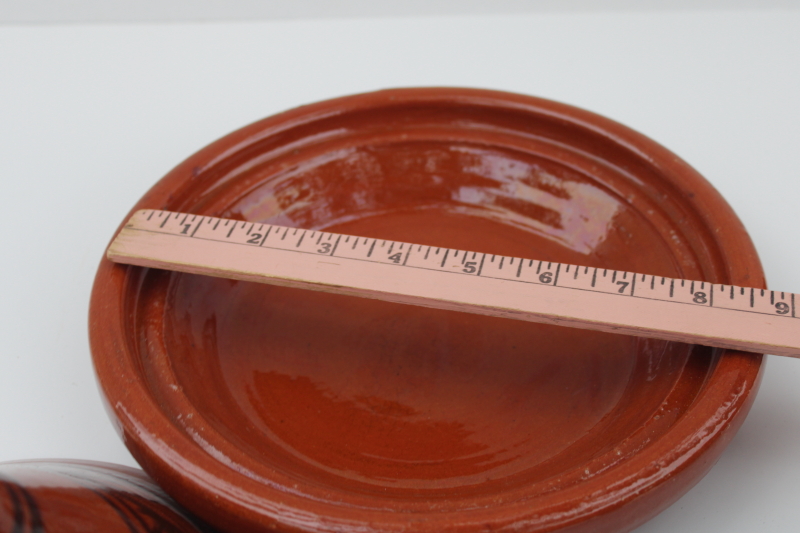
x=92 y=115
x=60 y=11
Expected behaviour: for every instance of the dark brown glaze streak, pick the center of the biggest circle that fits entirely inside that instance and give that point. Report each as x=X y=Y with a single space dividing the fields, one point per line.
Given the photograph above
x=27 y=517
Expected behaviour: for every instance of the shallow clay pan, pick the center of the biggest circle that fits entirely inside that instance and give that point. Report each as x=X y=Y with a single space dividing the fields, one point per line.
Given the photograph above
x=263 y=407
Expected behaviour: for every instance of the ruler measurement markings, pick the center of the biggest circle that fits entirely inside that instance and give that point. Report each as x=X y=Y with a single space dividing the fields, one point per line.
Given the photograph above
x=445 y=257
x=480 y=267
x=756 y=304
x=266 y=234
x=197 y=227
x=408 y=253
x=499 y=278
x=335 y=245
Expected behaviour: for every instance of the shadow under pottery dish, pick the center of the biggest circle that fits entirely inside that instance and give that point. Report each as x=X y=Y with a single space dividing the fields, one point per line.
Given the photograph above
x=261 y=407
x=50 y=496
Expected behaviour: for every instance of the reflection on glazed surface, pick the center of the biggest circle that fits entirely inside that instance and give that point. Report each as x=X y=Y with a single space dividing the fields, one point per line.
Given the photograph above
x=394 y=400
x=510 y=186
x=576 y=213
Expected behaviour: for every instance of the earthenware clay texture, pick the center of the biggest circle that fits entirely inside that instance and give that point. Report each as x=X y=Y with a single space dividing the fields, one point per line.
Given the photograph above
x=260 y=407
x=86 y=497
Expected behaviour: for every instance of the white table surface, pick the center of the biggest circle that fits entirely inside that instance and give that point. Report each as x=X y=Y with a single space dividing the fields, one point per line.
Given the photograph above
x=92 y=115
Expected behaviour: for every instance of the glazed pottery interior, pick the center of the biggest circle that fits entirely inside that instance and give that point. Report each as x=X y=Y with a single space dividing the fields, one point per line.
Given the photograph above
x=366 y=409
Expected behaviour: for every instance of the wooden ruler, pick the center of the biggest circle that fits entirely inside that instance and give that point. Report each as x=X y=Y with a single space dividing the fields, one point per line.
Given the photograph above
x=699 y=312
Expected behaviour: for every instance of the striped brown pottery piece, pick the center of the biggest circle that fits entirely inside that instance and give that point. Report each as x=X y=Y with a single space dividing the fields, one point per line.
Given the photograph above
x=87 y=497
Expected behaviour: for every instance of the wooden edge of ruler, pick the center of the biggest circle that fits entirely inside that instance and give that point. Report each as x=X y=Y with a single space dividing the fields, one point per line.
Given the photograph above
x=698 y=312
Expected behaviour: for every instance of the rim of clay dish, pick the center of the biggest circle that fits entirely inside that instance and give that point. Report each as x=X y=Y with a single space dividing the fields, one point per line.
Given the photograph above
x=624 y=497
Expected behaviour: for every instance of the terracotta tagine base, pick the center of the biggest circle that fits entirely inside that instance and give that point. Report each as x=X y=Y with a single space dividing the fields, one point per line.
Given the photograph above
x=259 y=406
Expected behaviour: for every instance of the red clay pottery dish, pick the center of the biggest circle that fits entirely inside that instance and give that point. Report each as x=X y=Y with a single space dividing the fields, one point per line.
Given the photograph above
x=261 y=407
x=86 y=497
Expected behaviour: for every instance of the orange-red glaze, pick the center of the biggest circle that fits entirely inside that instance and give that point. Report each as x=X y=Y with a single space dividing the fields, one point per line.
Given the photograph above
x=257 y=405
